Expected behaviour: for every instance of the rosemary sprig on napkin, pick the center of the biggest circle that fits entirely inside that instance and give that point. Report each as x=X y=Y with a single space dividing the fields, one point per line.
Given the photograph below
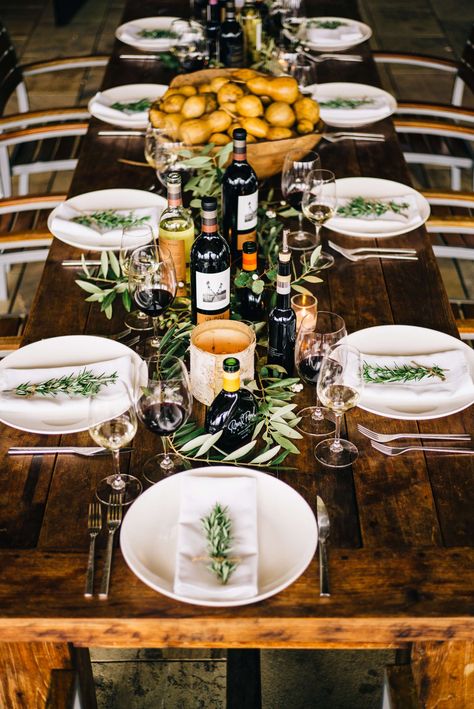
x=109 y=219
x=362 y=207
x=340 y=102
x=158 y=34
x=403 y=373
x=218 y=528
x=142 y=104
x=86 y=383
x=327 y=24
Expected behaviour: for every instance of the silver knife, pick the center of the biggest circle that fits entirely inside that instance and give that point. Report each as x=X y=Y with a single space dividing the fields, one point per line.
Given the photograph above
x=76 y=264
x=323 y=531
x=123 y=133
x=54 y=450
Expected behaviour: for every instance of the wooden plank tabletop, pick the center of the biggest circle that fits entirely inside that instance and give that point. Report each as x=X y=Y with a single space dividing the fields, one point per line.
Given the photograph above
x=402 y=538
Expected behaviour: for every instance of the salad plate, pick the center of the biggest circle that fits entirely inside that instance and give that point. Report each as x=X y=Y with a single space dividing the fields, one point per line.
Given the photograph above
x=126 y=106
x=149 y=33
x=333 y=34
x=345 y=105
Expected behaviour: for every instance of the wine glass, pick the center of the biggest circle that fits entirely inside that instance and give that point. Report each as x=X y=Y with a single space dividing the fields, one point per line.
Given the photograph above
x=164 y=405
x=294 y=180
x=319 y=204
x=340 y=384
x=315 y=338
x=113 y=424
x=302 y=70
x=152 y=283
x=163 y=152
x=132 y=239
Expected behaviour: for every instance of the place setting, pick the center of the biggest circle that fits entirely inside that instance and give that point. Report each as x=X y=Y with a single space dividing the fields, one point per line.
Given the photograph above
x=126 y=106
x=345 y=105
x=327 y=34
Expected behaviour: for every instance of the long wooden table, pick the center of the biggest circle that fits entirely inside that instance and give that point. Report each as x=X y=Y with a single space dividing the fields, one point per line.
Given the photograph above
x=402 y=534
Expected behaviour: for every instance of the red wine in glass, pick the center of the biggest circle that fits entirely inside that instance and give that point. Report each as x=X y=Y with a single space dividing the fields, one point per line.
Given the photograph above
x=163 y=418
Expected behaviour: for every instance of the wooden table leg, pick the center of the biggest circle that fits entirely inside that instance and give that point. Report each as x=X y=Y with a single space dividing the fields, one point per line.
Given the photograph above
x=43 y=675
x=243 y=679
x=444 y=674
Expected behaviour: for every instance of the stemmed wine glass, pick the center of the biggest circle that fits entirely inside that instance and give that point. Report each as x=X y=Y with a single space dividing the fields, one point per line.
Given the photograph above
x=340 y=385
x=163 y=152
x=319 y=204
x=315 y=338
x=113 y=424
x=132 y=239
x=294 y=180
x=152 y=283
x=164 y=406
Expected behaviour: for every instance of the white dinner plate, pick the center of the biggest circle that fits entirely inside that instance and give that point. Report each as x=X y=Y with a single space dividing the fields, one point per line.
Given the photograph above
x=375 y=188
x=338 y=46
x=345 y=90
x=69 y=350
x=410 y=340
x=123 y=199
x=125 y=33
x=287 y=534
x=126 y=94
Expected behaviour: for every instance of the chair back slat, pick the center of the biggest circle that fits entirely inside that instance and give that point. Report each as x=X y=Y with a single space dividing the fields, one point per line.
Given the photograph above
x=10 y=73
x=466 y=67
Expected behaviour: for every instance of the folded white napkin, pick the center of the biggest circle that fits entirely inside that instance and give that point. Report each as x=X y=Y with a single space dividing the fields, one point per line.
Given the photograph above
x=102 y=107
x=132 y=35
x=372 y=111
x=63 y=223
x=375 y=224
x=348 y=32
x=198 y=496
x=61 y=405
x=427 y=391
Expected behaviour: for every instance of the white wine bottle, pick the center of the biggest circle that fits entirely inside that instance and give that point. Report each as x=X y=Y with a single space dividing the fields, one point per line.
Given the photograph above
x=251 y=22
x=177 y=231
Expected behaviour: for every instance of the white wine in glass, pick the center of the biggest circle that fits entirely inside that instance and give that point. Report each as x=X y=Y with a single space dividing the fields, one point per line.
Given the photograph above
x=319 y=204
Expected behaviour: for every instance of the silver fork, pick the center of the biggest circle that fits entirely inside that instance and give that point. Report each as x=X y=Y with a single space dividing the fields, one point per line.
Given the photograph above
x=387 y=437
x=398 y=450
x=344 y=135
x=51 y=450
x=114 y=519
x=94 y=525
x=372 y=249
x=306 y=52
x=381 y=253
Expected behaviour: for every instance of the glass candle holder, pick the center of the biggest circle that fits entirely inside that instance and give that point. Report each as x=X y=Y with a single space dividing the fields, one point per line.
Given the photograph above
x=305 y=305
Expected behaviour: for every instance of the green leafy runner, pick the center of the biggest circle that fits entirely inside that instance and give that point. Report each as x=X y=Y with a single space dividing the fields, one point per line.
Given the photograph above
x=340 y=102
x=134 y=106
x=218 y=528
x=86 y=383
x=362 y=207
x=109 y=219
x=414 y=372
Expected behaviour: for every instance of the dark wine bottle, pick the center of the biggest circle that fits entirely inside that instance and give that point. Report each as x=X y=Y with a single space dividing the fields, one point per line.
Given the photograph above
x=282 y=318
x=222 y=10
x=213 y=26
x=239 y=197
x=233 y=411
x=210 y=268
x=250 y=304
x=231 y=41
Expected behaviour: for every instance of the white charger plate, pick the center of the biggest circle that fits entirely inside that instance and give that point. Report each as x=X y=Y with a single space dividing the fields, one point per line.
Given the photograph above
x=102 y=200
x=347 y=90
x=410 y=340
x=375 y=188
x=321 y=46
x=127 y=94
x=287 y=534
x=147 y=23
x=69 y=350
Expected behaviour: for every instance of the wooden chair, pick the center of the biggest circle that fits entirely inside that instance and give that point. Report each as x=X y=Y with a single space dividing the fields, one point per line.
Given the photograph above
x=11 y=329
x=434 y=133
x=27 y=159
x=24 y=236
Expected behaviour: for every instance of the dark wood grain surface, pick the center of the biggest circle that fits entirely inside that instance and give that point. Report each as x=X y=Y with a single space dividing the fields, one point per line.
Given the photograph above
x=402 y=538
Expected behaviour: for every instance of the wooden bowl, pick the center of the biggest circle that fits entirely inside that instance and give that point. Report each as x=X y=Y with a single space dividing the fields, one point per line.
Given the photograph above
x=266 y=156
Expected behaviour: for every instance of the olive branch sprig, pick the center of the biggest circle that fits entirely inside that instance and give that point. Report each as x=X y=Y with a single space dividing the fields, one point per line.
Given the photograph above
x=362 y=207
x=402 y=373
x=217 y=526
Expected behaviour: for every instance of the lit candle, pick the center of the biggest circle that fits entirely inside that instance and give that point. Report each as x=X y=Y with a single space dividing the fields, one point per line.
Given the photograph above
x=305 y=306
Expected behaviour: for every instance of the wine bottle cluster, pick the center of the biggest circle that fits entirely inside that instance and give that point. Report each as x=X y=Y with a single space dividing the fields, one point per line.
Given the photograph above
x=233 y=41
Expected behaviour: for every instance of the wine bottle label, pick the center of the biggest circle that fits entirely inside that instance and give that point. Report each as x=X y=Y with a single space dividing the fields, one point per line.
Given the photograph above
x=212 y=290
x=177 y=249
x=283 y=285
x=247 y=212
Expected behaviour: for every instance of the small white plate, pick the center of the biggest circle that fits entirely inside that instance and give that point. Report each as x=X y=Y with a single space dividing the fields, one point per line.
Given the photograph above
x=345 y=90
x=374 y=188
x=287 y=534
x=126 y=94
x=122 y=199
x=125 y=33
x=340 y=46
x=410 y=340
x=70 y=350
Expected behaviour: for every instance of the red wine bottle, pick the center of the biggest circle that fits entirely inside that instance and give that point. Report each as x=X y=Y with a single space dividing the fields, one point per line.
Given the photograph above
x=213 y=26
x=233 y=411
x=210 y=269
x=239 y=197
x=282 y=318
x=231 y=41
x=250 y=303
